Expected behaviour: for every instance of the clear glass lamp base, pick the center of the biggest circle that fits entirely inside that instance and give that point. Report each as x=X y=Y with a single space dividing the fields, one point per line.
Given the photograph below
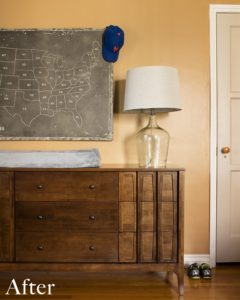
x=153 y=144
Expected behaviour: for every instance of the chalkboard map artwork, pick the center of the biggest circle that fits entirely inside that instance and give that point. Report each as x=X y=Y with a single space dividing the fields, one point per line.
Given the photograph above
x=54 y=85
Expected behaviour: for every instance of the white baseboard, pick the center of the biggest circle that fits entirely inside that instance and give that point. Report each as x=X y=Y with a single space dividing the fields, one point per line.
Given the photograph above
x=198 y=258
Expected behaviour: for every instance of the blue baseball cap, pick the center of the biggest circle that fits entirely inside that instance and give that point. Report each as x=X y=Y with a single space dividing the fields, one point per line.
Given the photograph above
x=112 y=42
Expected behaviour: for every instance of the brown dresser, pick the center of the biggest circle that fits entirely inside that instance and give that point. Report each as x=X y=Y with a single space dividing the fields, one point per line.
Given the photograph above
x=108 y=218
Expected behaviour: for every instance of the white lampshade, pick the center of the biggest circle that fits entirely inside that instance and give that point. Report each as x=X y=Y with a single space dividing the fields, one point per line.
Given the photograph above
x=152 y=87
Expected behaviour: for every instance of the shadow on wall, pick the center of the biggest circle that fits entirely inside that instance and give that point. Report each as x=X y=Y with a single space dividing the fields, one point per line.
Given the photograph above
x=130 y=145
x=118 y=97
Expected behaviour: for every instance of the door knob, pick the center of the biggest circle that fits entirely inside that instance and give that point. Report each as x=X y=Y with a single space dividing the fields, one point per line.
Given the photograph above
x=225 y=150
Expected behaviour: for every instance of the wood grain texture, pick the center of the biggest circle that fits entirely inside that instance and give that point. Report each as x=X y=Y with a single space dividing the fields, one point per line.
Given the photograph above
x=167 y=251
x=127 y=247
x=87 y=267
x=137 y=224
x=167 y=231
x=66 y=247
x=146 y=186
x=167 y=183
x=6 y=217
x=147 y=245
x=103 y=168
x=127 y=217
x=167 y=216
x=127 y=186
x=79 y=216
x=180 y=269
x=64 y=186
x=147 y=217
x=225 y=285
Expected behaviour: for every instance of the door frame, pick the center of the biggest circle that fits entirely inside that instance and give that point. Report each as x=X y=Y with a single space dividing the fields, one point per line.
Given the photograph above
x=214 y=9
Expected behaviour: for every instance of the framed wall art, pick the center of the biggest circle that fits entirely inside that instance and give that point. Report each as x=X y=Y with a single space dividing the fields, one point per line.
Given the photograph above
x=54 y=85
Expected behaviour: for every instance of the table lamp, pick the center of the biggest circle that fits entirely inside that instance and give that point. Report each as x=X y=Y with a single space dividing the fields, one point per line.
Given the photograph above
x=152 y=89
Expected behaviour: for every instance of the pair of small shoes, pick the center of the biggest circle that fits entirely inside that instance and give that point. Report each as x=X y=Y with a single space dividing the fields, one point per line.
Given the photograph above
x=195 y=271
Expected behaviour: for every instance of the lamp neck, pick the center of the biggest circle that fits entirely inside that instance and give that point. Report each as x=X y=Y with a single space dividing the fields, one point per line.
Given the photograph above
x=152 y=122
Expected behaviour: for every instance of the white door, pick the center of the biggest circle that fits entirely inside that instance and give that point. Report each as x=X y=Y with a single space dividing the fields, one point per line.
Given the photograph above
x=228 y=94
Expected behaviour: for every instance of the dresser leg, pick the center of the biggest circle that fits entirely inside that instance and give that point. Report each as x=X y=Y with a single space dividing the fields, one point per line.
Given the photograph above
x=169 y=277
x=180 y=284
x=180 y=281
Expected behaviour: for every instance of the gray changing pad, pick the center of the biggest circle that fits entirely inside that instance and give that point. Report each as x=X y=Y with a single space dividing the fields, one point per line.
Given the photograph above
x=50 y=159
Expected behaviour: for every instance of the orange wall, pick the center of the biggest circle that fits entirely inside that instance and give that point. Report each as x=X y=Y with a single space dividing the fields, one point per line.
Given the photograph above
x=157 y=32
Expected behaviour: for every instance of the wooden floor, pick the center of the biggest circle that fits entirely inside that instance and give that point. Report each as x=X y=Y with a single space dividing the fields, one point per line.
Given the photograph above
x=225 y=285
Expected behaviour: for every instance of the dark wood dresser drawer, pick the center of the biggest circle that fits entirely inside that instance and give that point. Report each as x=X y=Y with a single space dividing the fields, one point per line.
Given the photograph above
x=54 y=216
x=60 y=186
x=66 y=247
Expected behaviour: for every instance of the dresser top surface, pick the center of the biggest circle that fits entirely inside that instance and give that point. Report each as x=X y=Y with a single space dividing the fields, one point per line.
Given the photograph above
x=104 y=167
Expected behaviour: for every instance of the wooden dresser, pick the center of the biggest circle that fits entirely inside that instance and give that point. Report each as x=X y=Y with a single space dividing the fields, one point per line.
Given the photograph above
x=108 y=218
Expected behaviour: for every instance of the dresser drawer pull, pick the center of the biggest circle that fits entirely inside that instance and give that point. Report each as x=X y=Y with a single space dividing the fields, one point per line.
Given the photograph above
x=91 y=248
x=40 y=248
x=92 y=218
x=39 y=187
x=40 y=217
x=92 y=186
